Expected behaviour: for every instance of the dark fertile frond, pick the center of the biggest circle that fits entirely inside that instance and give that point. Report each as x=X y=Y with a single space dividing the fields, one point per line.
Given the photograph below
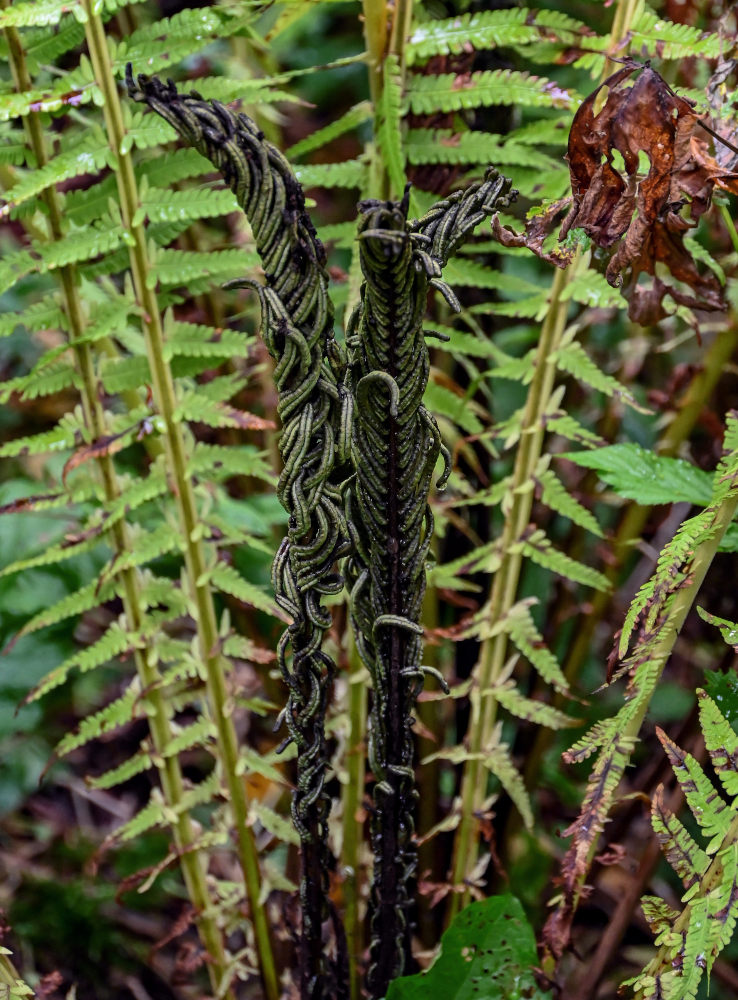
x=314 y=408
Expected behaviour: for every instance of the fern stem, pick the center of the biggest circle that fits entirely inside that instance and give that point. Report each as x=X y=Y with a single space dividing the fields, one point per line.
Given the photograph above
x=352 y=824
x=219 y=701
x=504 y=588
x=632 y=523
x=170 y=773
x=658 y=656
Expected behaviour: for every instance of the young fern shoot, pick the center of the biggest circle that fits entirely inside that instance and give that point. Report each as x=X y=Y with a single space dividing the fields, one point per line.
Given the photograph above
x=395 y=447
x=314 y=409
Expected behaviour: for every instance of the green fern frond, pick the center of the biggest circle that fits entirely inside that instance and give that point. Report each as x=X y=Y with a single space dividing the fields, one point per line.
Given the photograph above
x=540 y=550
x=90 y=156
x=156 y=813
x=526 y=638
x=229 y=580
x=653 y=35
x=92 y=595
x=50 y=380
x=690 y=941
x=446 y=92
x=682 y=852
x=574 y=360
x=458 y=409
x=389 y=123
x=556 y=496
x=114 y=715
x=183 y=267
x=135 y=765
x=14 y=267
x=101 y=237
x=499 y=762
x=492 y=29
x=197 y=734
x=530 y=709
x=197 y=340
x=349 y=174
x=721 y=741
x=218 y=462
x=162 y=205
x=447 y=146
x=114 y=643
x=356 y=116
x=710 y=811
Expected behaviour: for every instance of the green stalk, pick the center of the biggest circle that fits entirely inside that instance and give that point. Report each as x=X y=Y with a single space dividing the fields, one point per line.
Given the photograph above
x=196 y=567
x=385 y=32
x=504 y=589
x=631 y=525
x=352 y=826
x=193 y=866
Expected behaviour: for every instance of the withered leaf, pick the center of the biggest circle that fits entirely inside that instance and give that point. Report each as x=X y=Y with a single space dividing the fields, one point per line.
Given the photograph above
x=642 y=175
x=649 y=214
x=109 y=444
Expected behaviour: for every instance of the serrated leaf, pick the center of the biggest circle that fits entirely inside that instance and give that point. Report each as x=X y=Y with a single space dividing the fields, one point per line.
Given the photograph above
x=641 y=475
x=499 y=761
x=489 y=29
x=530 y=709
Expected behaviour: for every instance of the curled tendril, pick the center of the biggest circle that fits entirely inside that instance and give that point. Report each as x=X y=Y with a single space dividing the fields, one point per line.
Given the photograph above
x=396 y=443
x=315 y=412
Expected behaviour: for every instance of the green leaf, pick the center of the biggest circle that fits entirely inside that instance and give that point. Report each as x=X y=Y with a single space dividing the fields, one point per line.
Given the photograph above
x=447 y=92
x=90 y=156
x=349 y=121
x=556 y=496
x=446 y=146
x=164 y=205
x=574 y=360
x=499 y=761
x=389 y=123
x=182 y=267
x=641 y=475
x=349 y=174
x=487 y=953
x=229 y=580
x=280 y=826
x=489 y=29
x=539 y=549
x=721 y=741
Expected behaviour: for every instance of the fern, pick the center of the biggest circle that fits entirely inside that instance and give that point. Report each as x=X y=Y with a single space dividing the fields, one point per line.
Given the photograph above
x=447 y=92
x=692 y=939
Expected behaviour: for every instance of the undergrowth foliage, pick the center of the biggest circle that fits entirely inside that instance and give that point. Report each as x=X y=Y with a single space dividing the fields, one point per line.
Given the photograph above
x=134 y=385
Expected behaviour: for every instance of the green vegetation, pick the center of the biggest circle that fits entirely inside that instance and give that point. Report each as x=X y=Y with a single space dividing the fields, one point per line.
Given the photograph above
x=332 y=536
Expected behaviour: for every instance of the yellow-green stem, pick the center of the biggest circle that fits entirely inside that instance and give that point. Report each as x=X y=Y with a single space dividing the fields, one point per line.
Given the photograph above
x=219 y=701
x=683 y=600
x=193 y=866
x=493 y=651
x=505 y=584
